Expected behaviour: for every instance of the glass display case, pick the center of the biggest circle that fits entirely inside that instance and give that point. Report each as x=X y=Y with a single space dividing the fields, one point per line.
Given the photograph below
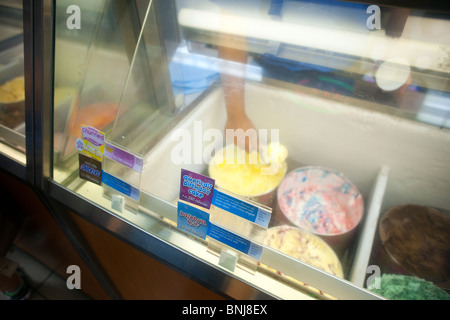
x=299 y=147
x=15 y=76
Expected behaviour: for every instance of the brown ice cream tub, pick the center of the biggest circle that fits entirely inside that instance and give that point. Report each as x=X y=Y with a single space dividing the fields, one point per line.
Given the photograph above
x=415 y=240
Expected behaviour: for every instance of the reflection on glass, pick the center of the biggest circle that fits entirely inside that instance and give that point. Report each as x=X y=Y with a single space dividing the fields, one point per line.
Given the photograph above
x=12 y=83
x=332 y=46
x=91 y=67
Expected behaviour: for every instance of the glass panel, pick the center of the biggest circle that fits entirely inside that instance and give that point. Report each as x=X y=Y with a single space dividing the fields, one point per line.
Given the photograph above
x=352 y=92
x=12 y=82
x=336 y=113
x=91 y=67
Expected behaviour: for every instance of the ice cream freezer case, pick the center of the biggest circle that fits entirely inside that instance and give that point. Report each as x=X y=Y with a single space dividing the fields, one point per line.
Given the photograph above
x=345 y=193
x=15 y=103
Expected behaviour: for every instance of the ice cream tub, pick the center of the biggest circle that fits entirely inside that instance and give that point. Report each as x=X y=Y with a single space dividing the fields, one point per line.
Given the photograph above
x=415 y=240
x=244 y=174
x=401 y=287
x=304 y=246
x=323 y=202
x=12 y=96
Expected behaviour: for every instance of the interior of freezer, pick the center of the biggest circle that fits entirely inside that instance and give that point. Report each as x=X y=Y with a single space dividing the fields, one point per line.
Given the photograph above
x=12 y=81
x=333 y=114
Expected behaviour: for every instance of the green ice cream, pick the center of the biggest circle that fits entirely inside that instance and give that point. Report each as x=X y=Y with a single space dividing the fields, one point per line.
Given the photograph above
x=400 y=287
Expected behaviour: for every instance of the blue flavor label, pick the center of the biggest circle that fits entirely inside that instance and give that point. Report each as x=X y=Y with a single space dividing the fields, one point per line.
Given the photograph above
x=234 y=241
x=192 y=220
x=121 y=186
x=241 y=208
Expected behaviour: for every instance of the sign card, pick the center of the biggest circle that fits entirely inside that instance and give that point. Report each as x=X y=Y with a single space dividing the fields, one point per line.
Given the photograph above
x=92 y=142
x=192 y=220
x=196 y=188
x=124 y=157
x=241 y=208
x=234 y=241
x=90 y=169
x=121 y=186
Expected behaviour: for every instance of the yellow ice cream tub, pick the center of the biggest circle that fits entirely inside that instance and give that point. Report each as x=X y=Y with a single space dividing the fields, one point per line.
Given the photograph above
x=255 y=175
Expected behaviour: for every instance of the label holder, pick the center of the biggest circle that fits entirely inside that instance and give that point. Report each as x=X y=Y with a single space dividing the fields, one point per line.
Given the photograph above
x=236 y=226
x=122 y=177
x=228 y=259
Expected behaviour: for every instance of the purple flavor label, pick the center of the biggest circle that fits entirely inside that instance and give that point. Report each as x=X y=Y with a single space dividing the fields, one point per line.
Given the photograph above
x=124 y=157
x=196 y=188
